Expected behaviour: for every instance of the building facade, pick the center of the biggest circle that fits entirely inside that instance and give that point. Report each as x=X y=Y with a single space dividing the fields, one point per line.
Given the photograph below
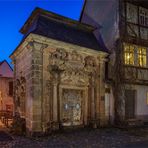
x=58 y=74
x=123 y=25
x=6 y=87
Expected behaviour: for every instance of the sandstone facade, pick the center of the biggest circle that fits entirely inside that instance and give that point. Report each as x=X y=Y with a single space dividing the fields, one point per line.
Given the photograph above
x=58 y=84
x=59 y=73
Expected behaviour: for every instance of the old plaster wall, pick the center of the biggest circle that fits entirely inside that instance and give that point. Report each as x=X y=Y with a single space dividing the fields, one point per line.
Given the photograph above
x=141 y=106
x=140 y=101
x=4 y=93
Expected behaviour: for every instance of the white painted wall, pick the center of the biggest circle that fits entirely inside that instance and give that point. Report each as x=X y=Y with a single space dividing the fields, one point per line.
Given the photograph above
x=141 y=107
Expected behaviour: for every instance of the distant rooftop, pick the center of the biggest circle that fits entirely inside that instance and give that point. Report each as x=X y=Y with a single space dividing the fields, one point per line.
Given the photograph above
x=5 y=69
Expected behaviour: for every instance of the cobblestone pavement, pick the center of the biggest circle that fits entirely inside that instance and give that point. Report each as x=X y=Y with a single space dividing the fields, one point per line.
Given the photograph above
x=84 y=138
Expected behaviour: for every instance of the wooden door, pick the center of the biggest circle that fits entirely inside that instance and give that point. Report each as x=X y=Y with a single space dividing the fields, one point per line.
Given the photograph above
x=71 y=107
x=130 y=104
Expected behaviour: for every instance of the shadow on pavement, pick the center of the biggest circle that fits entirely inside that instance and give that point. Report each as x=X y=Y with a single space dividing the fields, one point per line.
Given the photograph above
x=4 y=136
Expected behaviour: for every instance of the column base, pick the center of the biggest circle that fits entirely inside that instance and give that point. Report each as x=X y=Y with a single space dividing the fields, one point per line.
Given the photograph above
x=94 y=123
x=55 y=125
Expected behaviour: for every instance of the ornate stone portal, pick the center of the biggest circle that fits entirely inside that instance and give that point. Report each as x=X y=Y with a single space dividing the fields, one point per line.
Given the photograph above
x=61 y=87
x=73 y=82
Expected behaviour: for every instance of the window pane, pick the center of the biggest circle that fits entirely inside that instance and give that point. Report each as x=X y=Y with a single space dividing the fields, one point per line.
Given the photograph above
x=143 y=16
x=135 y=55
x=144 y=33
x=132 y=11
x=128 y=54
x=147 y=98
x=142 y=56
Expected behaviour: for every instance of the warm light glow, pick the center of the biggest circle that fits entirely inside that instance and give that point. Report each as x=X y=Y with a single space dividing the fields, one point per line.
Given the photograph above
x=128 y=57
x=135 y=55
x=142 y=56
x=0 y=96
x=147 y=98
x=128 y=54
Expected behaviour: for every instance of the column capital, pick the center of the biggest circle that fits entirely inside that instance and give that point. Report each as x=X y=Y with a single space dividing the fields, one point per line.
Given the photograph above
x=36 y=45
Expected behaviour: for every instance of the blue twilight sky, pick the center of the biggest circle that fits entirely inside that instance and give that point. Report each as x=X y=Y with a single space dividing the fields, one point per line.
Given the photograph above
x=13 y=14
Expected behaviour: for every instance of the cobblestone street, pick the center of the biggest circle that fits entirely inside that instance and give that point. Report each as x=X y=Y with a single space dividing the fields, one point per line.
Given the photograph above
x=84 y=138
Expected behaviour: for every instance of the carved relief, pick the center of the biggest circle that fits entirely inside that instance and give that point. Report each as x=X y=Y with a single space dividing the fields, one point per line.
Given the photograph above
x=58 y=58
x=70 y=66
x=90 y=64
x=74 y=78
x=20 y=91
x=75 y=61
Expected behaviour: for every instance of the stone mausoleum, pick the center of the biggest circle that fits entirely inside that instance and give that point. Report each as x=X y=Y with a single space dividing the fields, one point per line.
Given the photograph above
x=59 y=71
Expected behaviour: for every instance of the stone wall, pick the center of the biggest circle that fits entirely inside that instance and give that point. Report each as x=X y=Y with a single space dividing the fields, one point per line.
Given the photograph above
x=22 y=60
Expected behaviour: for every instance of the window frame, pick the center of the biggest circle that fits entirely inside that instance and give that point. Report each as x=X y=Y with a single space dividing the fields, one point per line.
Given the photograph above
x=147 y=98
x=141 y=27
x=137 y=55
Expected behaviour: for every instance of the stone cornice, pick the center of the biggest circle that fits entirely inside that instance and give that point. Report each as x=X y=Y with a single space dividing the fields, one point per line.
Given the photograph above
x=56 y=44
x=59 y=44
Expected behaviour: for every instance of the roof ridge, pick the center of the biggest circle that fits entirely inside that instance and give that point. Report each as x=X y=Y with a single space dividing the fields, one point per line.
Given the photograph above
x=52 y=15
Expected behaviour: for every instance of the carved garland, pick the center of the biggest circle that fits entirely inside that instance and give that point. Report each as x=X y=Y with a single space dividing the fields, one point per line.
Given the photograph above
x=72 y=66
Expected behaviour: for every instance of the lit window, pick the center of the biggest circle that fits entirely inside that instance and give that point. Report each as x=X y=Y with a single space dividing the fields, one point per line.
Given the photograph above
x=0 y=96
x=147 y=98
x=135 y=55
x=128 y=54
x=141 y=56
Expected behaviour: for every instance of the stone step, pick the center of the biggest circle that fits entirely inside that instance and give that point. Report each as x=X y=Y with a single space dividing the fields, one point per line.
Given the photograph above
x=134 y=122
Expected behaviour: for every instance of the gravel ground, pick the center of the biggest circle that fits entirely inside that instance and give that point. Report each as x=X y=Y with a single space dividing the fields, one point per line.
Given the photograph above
x=83 y=138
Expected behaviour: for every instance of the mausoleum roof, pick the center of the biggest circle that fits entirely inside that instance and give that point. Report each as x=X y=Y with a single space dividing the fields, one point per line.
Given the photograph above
x=60 y=28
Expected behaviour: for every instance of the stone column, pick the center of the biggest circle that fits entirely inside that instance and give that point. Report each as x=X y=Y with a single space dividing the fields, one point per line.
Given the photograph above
x=55 y=125
x=85 y=97
x=55 y=99
x=102 y=91
x=93 y=106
